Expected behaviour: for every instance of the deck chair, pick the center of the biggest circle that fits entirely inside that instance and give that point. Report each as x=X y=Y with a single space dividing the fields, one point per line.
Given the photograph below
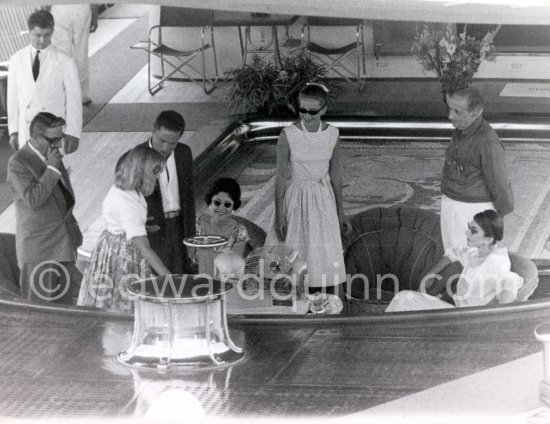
x=181 y=62
x=334 y=57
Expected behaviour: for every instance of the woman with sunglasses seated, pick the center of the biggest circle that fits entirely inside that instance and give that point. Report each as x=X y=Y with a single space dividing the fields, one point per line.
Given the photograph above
x=223 y=199
x=485 y=279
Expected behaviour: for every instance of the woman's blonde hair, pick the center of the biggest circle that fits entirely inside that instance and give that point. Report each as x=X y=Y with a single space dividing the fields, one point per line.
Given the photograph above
x=137 y=169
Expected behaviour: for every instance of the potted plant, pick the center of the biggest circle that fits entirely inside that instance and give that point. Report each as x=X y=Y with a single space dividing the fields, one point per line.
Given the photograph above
x=453 y=58
x=261 y=86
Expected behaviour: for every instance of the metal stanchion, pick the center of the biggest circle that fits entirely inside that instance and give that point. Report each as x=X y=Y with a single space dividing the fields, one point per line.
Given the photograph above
x=542 y=416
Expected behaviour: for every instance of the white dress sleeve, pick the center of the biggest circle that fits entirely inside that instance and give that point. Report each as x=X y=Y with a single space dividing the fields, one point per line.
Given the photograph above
x=512 y=282
x=458 y=254
x=499 y=278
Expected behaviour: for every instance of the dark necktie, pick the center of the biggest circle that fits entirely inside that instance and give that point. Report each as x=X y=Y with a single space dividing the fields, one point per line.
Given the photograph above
x=36 y=66
x=69 y=200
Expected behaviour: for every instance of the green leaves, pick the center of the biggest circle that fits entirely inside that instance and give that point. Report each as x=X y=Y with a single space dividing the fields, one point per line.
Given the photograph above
x=263 y=87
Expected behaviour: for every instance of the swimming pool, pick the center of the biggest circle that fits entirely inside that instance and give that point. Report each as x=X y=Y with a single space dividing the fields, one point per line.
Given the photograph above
x=387 y=163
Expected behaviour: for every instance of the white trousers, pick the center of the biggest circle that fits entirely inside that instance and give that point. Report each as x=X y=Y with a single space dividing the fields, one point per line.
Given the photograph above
x=455 y=216
x=71 y=32
x=407 y=300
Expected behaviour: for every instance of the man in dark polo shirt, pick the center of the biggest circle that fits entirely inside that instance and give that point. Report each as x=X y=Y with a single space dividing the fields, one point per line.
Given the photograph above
x=474 y=173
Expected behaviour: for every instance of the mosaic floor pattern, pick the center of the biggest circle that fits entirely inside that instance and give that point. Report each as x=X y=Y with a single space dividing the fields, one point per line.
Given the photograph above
x=391 y=173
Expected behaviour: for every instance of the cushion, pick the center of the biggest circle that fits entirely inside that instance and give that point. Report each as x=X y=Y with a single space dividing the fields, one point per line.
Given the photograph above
x=257 y=234
x=526 y=269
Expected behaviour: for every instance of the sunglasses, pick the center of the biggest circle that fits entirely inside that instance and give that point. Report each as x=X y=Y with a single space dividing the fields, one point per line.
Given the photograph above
x=310 y=112
x=225 y=204
x=53 y=140
x=472 y=229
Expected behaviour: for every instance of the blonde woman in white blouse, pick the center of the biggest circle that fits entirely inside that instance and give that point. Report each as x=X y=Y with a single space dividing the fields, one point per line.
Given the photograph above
x=122 y=252
x=486 y=277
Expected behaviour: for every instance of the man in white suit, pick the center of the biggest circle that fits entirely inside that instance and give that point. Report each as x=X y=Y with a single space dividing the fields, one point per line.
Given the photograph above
x=42 y=78
x=73 y=25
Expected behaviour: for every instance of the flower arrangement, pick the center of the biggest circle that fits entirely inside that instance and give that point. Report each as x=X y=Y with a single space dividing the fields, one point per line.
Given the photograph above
x=264 y=87
x=453 y=58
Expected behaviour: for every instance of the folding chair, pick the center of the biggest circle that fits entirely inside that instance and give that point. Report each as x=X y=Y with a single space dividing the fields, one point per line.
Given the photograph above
x=179 y=61
x=334 y=57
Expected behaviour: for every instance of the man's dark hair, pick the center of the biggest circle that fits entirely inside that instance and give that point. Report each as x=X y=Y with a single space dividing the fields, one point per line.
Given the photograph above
x=41 y=19
x=44 y=120
x=171 y=120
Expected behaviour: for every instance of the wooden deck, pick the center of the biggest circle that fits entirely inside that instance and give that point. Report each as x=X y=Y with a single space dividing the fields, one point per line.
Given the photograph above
x=59 y=364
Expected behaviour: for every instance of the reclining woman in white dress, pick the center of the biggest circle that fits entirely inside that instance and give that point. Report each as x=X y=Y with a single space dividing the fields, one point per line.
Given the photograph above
x=485 y=279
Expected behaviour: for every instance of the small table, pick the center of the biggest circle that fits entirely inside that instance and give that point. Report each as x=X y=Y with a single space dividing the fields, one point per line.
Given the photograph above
x=273 y=283
x=180 y=321
x=248 y=20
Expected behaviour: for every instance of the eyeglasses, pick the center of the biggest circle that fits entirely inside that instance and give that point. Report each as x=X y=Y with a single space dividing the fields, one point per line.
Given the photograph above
x=226 y=205
x=53 y=140
x=310 y=112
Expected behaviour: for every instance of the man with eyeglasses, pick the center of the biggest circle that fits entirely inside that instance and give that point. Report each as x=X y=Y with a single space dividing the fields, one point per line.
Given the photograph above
x=47 y=234
x=42 y=78
x=474 y=173
x=171 y=207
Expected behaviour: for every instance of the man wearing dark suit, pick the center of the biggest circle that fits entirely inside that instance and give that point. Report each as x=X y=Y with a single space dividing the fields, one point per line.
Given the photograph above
x=171 y=207
x=47 y=234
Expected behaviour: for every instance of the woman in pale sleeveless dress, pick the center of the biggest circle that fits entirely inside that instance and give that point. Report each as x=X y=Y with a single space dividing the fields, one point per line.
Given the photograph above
x=308 y=192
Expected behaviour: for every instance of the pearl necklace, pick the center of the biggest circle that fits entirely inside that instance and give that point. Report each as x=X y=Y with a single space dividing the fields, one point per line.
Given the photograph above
x=311 y=136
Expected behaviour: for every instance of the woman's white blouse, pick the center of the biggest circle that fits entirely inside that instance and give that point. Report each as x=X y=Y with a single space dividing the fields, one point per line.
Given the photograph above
x=125 y=211
x=483 y=278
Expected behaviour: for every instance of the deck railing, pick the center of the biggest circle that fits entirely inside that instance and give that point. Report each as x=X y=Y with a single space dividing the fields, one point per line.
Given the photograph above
x=14 y=33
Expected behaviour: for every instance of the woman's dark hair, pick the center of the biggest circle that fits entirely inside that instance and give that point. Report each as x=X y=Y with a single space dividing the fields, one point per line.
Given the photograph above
x=315 y=91
x=491 y=223
x=226 y=185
